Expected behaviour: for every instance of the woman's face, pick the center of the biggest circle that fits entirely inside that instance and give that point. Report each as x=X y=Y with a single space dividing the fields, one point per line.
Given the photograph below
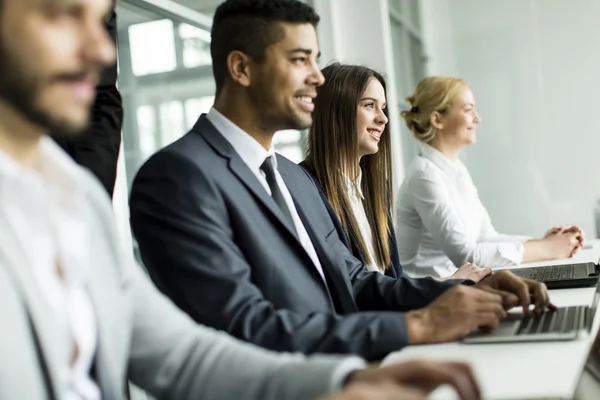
x=370 y=118
x=459 y=123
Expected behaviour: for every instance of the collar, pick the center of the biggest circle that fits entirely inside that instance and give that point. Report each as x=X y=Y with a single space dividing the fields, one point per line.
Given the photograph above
x=451 y=167
x=54 y=166
x=249 y=150
x=355 y=187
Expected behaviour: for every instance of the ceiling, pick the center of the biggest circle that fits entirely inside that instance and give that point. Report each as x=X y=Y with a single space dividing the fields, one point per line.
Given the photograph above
x=129 y=14
x=206 y=7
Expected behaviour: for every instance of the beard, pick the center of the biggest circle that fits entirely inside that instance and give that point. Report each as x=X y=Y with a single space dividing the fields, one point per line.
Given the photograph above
x=21 y=89
x=274 y=115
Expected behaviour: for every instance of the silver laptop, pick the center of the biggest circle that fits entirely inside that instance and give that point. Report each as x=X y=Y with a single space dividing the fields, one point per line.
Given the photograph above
x=588 y=383
x=564 y=324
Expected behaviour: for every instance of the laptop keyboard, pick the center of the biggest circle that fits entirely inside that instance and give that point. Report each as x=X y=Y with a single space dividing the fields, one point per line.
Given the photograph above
x=562 y=320
x=558 y=273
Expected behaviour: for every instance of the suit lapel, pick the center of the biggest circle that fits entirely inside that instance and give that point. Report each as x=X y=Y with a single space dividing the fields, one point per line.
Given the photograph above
x=337 y=279
x=212 y=136
x=247 y=177
x=107 y=291
x=241 y=170
x=106 y=351
x=18 y=263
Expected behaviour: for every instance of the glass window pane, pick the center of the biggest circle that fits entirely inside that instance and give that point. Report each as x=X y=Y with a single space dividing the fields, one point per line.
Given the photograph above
x=400 y=59
x=287 y=136
x=147 y=130
x=418 y=59
x=408 y=10
x=413 y=13
x=290 y=143
x=195 y=107
x=196 y=46
x=293 y=153
x=152 y=47
x=409 y=63
x=165 y=102
x=171 y=122
x=396 y=5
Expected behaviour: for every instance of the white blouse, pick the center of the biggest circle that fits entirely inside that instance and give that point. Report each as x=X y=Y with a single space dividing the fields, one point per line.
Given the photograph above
x=356 y=201
x=441 y=222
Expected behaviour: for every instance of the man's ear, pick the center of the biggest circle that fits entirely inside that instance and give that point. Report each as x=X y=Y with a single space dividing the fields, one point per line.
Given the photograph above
x=238 y=65
x=436 y=120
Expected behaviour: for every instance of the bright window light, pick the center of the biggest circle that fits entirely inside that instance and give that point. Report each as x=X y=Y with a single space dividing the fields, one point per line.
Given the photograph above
x=152 y=47
x=196 y=46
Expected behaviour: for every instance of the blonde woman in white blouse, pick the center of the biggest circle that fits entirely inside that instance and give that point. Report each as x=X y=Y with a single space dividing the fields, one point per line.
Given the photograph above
x=440 y=220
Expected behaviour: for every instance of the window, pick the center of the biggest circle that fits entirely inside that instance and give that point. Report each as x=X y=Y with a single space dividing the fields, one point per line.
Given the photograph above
x=409 y=60
x=171 y=122
x=165 y=78
x=290 y=144
x=152 y=47
x=147 y=129
x=195 y=107
x=196 y=46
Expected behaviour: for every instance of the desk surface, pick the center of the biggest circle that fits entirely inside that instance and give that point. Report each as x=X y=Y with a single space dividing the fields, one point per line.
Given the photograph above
x=521 y=370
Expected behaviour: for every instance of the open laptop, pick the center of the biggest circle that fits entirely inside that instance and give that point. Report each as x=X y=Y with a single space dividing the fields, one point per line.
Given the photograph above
x=562 y=276
x=588 y=383
x=588 y=386
x=564 y=324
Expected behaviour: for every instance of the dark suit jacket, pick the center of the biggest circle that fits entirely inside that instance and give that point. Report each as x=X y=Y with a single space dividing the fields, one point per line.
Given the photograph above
x=395 y=268
x=98 y=148
x=216 y=243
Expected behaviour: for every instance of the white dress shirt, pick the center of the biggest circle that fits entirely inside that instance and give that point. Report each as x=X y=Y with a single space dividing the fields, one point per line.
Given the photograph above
x=53 y=225
x=441 y=222
x=356 y=197
x=254 y=155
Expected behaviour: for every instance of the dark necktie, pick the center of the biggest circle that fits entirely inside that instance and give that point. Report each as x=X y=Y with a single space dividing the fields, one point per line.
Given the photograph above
x=269 y=170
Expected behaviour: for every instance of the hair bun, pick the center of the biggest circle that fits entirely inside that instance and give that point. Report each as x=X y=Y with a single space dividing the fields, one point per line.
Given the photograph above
x=432 y=93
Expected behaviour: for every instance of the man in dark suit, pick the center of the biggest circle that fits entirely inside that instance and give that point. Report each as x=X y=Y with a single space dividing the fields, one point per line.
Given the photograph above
x=98 y=147
x=239 y=238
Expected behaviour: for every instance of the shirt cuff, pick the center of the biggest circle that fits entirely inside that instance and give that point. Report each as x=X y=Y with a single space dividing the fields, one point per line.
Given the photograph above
x=512 y=252
x=343 y=370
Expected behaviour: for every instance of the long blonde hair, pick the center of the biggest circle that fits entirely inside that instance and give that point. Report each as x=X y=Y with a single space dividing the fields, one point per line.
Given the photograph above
x=333 y=151
x=433 y=93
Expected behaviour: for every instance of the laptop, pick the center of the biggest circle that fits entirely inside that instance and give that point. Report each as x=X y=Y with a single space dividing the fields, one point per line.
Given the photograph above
x=564 y=324
x=588 y=383
x=562 y=276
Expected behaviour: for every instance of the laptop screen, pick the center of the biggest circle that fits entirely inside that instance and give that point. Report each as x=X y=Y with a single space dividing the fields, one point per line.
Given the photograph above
x=594 y=307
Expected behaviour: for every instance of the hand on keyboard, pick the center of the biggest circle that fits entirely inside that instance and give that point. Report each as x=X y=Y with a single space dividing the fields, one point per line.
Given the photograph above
x=517 y=291
x=453 y=314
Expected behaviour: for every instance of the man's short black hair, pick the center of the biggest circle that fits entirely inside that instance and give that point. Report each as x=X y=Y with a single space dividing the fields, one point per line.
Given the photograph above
x=250 y=26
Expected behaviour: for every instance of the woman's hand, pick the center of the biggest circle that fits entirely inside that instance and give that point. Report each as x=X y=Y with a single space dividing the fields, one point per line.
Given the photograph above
x=570 y=231
x=469 y=271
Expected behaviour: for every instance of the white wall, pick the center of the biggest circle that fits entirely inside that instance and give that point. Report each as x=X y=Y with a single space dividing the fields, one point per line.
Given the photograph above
x=534 y=67
x=358 y=32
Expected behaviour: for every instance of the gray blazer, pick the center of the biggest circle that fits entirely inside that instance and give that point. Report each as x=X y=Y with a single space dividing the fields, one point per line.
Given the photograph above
x=142 y=336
